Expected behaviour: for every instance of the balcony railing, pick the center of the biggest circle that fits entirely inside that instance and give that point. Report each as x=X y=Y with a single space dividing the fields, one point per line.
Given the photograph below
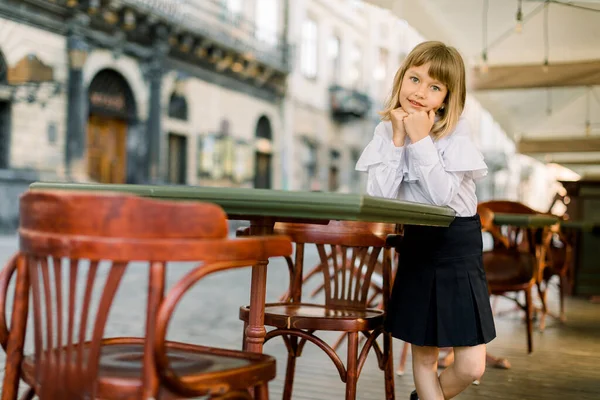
x=348 y=103
x=212 y=20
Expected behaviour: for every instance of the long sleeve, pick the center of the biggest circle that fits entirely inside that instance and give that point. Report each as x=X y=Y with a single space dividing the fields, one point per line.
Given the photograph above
x=383 y=162
x=441 y=185
x=442 y=170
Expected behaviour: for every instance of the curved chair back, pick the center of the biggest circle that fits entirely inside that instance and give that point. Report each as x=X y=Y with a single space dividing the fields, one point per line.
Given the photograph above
x=70 y=240
x=348 y=253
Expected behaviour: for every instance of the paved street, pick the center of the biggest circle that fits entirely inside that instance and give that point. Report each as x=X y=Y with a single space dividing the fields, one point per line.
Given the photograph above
x=563 y=365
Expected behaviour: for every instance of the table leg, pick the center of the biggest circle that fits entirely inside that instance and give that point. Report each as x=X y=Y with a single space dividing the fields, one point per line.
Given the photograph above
x=255 y=331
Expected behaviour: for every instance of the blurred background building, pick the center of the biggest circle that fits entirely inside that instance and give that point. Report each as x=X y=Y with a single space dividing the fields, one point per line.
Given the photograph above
x=257 y=93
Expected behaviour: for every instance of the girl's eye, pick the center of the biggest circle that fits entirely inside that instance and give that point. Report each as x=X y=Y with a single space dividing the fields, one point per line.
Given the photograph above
x=436 y=88
x=414 y=79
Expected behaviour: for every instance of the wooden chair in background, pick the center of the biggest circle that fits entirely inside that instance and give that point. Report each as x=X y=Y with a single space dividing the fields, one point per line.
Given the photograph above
x=515 y=264
x=348 y=253
x=66 y=240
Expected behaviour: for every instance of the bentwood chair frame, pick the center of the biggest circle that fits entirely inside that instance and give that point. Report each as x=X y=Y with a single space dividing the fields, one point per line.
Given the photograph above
x=348 y=253
x=518 y=258
x=62 y=233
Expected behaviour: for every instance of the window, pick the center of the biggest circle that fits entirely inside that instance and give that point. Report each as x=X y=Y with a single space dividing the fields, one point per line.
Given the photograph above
x=334 y=170
x=334 y=52
x=309 y=49
x=234 y=7
x=380 y=73
x=354 y=67
x=309 y=156
x=266 y=21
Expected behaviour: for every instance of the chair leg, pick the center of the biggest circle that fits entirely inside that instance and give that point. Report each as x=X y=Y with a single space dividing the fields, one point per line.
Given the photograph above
x=28 y=395
x=529 y=318
x=403 y=356
x=543 y=293
x=290 y=370
x=16 y=338
x=563 y=287
x=388 y=366
x=244 y=336
x=352 y=366
x=262 y=391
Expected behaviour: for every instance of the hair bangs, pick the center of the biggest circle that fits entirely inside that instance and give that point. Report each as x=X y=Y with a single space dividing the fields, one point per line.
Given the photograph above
x=440 y=65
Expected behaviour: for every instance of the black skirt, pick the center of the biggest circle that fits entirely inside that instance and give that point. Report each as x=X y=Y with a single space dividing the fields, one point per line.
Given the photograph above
x=440 y=295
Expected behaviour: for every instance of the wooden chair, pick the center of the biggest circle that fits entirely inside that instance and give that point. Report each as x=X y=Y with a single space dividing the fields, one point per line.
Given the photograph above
x=516 y=260
x=65 y=240
x=559 y=258
x=346 y=292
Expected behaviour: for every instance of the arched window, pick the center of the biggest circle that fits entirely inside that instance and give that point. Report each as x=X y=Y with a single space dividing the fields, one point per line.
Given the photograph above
x=111 y=96
x=178 y=108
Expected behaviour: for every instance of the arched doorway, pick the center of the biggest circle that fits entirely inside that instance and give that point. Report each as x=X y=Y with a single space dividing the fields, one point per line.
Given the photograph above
x=262 y=164
x=5 y=103
x=111 y=110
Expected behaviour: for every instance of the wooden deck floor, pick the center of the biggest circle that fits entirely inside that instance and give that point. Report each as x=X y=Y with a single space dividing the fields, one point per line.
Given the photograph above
x=565 y=364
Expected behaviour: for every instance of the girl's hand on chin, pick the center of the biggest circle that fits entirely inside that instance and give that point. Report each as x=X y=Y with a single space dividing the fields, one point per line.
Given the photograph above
x=399 y=134
x=418 y=124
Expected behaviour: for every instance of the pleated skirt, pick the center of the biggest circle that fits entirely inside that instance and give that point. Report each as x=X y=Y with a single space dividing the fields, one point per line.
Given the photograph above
x=440 y=295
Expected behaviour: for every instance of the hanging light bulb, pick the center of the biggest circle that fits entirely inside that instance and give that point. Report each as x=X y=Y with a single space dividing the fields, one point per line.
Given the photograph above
x=588 y=128
x=545 y=67
x=519 y=24
x=484 y=68
x=93 y=6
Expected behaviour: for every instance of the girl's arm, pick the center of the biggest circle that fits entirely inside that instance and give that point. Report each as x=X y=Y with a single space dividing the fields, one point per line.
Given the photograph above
x=441 y=185
x=383 y=162
x=442 y=174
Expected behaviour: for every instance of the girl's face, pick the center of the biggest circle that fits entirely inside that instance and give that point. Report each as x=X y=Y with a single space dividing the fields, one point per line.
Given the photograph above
x=420 y=92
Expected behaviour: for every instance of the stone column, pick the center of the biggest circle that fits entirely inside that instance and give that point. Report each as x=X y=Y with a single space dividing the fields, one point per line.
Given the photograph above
x=154 y=75
x=77 y=49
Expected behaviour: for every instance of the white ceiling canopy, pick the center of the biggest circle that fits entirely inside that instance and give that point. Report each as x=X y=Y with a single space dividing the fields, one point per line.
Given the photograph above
x=541 y=78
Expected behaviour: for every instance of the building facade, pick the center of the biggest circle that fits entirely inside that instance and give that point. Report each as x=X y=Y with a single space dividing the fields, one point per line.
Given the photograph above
x=176 y=92
x=256 y=93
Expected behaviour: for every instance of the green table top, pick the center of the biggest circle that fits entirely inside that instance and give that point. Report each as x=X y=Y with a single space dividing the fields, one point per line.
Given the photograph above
x=524 y=220
x=585 y=226
x=243 y=203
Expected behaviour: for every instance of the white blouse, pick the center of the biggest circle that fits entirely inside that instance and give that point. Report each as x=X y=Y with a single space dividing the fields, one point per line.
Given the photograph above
x=441 y=173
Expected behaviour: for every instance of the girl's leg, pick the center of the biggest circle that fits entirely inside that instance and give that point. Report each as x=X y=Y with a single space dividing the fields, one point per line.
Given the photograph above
x=469 y=365
x=425 y=361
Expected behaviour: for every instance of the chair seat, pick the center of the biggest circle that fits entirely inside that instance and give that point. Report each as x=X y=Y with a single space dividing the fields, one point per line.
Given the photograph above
x=318 y=317
x=508 y=268
x=121 y=361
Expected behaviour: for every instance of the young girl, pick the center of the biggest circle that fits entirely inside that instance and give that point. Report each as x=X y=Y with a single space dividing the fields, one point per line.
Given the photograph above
x=422 y=152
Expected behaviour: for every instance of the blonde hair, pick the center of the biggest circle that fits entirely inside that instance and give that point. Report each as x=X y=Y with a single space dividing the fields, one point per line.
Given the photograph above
x=446 y=66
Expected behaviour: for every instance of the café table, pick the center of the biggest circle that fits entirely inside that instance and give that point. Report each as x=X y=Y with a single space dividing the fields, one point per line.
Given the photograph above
x=264 y=207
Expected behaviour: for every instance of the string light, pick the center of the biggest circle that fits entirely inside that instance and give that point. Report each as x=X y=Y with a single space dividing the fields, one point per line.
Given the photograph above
x=484 y=58
x=519 y=24
x=484 y=68
x=546 y=39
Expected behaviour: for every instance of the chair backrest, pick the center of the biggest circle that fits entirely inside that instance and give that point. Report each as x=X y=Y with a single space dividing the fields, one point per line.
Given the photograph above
x=510 y=237
x=66 y=238
x=507 y=206
x=514 y=251
x=349 y=254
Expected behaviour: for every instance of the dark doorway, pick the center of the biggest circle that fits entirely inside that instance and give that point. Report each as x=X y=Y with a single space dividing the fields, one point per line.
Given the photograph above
x=112 y=111
x=262 y=164
x=177 y=159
